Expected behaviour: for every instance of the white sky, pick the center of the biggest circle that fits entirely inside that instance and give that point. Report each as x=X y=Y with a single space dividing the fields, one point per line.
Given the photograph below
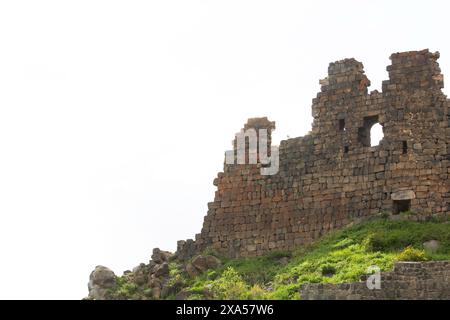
x=115 y=115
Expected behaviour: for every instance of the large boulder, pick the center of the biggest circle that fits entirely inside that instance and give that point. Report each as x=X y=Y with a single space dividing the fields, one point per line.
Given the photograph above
x=191 y=270
x=140 y=274
x=201 y=264
x=101 y=280
x=212 y=262
x=431 y=246
x=171 y=288
x=156 y=285
x=182 y=295
x=160 y=256
x=162 y=270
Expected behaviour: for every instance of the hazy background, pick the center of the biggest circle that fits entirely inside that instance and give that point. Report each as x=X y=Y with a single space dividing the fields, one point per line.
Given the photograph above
x=115 y=115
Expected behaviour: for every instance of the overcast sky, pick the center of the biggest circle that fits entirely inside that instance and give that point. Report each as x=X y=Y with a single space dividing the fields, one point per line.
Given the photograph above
x=115 y=115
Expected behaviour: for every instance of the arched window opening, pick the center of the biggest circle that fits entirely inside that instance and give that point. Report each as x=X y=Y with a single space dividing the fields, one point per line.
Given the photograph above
x=371 y=133
x=376 y=134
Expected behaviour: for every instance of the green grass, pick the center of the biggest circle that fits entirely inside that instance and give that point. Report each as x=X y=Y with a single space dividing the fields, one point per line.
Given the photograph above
x=341 y=257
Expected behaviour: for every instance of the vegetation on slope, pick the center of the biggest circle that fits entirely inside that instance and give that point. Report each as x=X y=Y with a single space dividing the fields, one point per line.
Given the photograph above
x=343 y=256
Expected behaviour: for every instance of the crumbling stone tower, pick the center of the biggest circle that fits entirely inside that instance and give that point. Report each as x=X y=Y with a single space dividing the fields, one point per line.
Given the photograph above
x=332 y=176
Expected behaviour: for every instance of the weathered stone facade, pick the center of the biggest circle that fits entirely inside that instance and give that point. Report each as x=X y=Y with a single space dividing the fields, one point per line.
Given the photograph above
x=332 y=176
x=408 y=281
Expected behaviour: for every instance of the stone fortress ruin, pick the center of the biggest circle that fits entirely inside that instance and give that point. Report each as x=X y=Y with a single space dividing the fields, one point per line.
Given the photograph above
x=333 y=177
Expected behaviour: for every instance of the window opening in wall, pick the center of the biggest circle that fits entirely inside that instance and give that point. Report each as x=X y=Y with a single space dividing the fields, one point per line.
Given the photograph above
x=341 y=124
x=405 y=147
x=401 y=206
x=376 y=134
x=345 y=149
x=371 y=133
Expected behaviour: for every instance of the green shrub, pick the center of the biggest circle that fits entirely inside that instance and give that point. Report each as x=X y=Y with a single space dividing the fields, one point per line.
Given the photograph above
x=389 y=236
x=408 y=213
x=229 y=286
x=148 y=292
x=276 y=255
x=328 y=270
x=339 y=257
x=384 y=215
x=256 y=270
x=212 y=275
x=344 y=243
x=412 y=254
x=286 y=292
x=127 y=290
x=175 y=275
x=257 y=293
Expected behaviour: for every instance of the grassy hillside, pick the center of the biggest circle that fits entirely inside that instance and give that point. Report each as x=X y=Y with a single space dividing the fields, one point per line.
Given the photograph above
x=343 y=256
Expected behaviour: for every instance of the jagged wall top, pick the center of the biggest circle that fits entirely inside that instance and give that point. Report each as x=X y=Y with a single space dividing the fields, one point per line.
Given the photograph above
x=414 y=70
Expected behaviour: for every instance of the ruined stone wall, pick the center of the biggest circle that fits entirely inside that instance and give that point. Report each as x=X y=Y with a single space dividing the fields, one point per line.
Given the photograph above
x=332 y=176
x=408 y=281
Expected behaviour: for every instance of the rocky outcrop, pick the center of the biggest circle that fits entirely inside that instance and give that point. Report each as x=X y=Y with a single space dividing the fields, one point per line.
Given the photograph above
x=101 y=281
x=149 y=281
x=160 y=256
x=146 y=280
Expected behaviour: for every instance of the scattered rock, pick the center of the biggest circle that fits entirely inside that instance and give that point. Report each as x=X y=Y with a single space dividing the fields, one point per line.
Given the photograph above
x=160 y=256
x=162 y=270
x=100 y=281
x=191 y=270
x=284 y=261
x=171 y=289
x=156 y=292
x=201 y=264
x=207 y=294
x=154 y=282
x=269 y=287
x=182 y=295
x=185 y=250
x=212 y=262
x=151 y=266
x=431 y=246
x=140 y=274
